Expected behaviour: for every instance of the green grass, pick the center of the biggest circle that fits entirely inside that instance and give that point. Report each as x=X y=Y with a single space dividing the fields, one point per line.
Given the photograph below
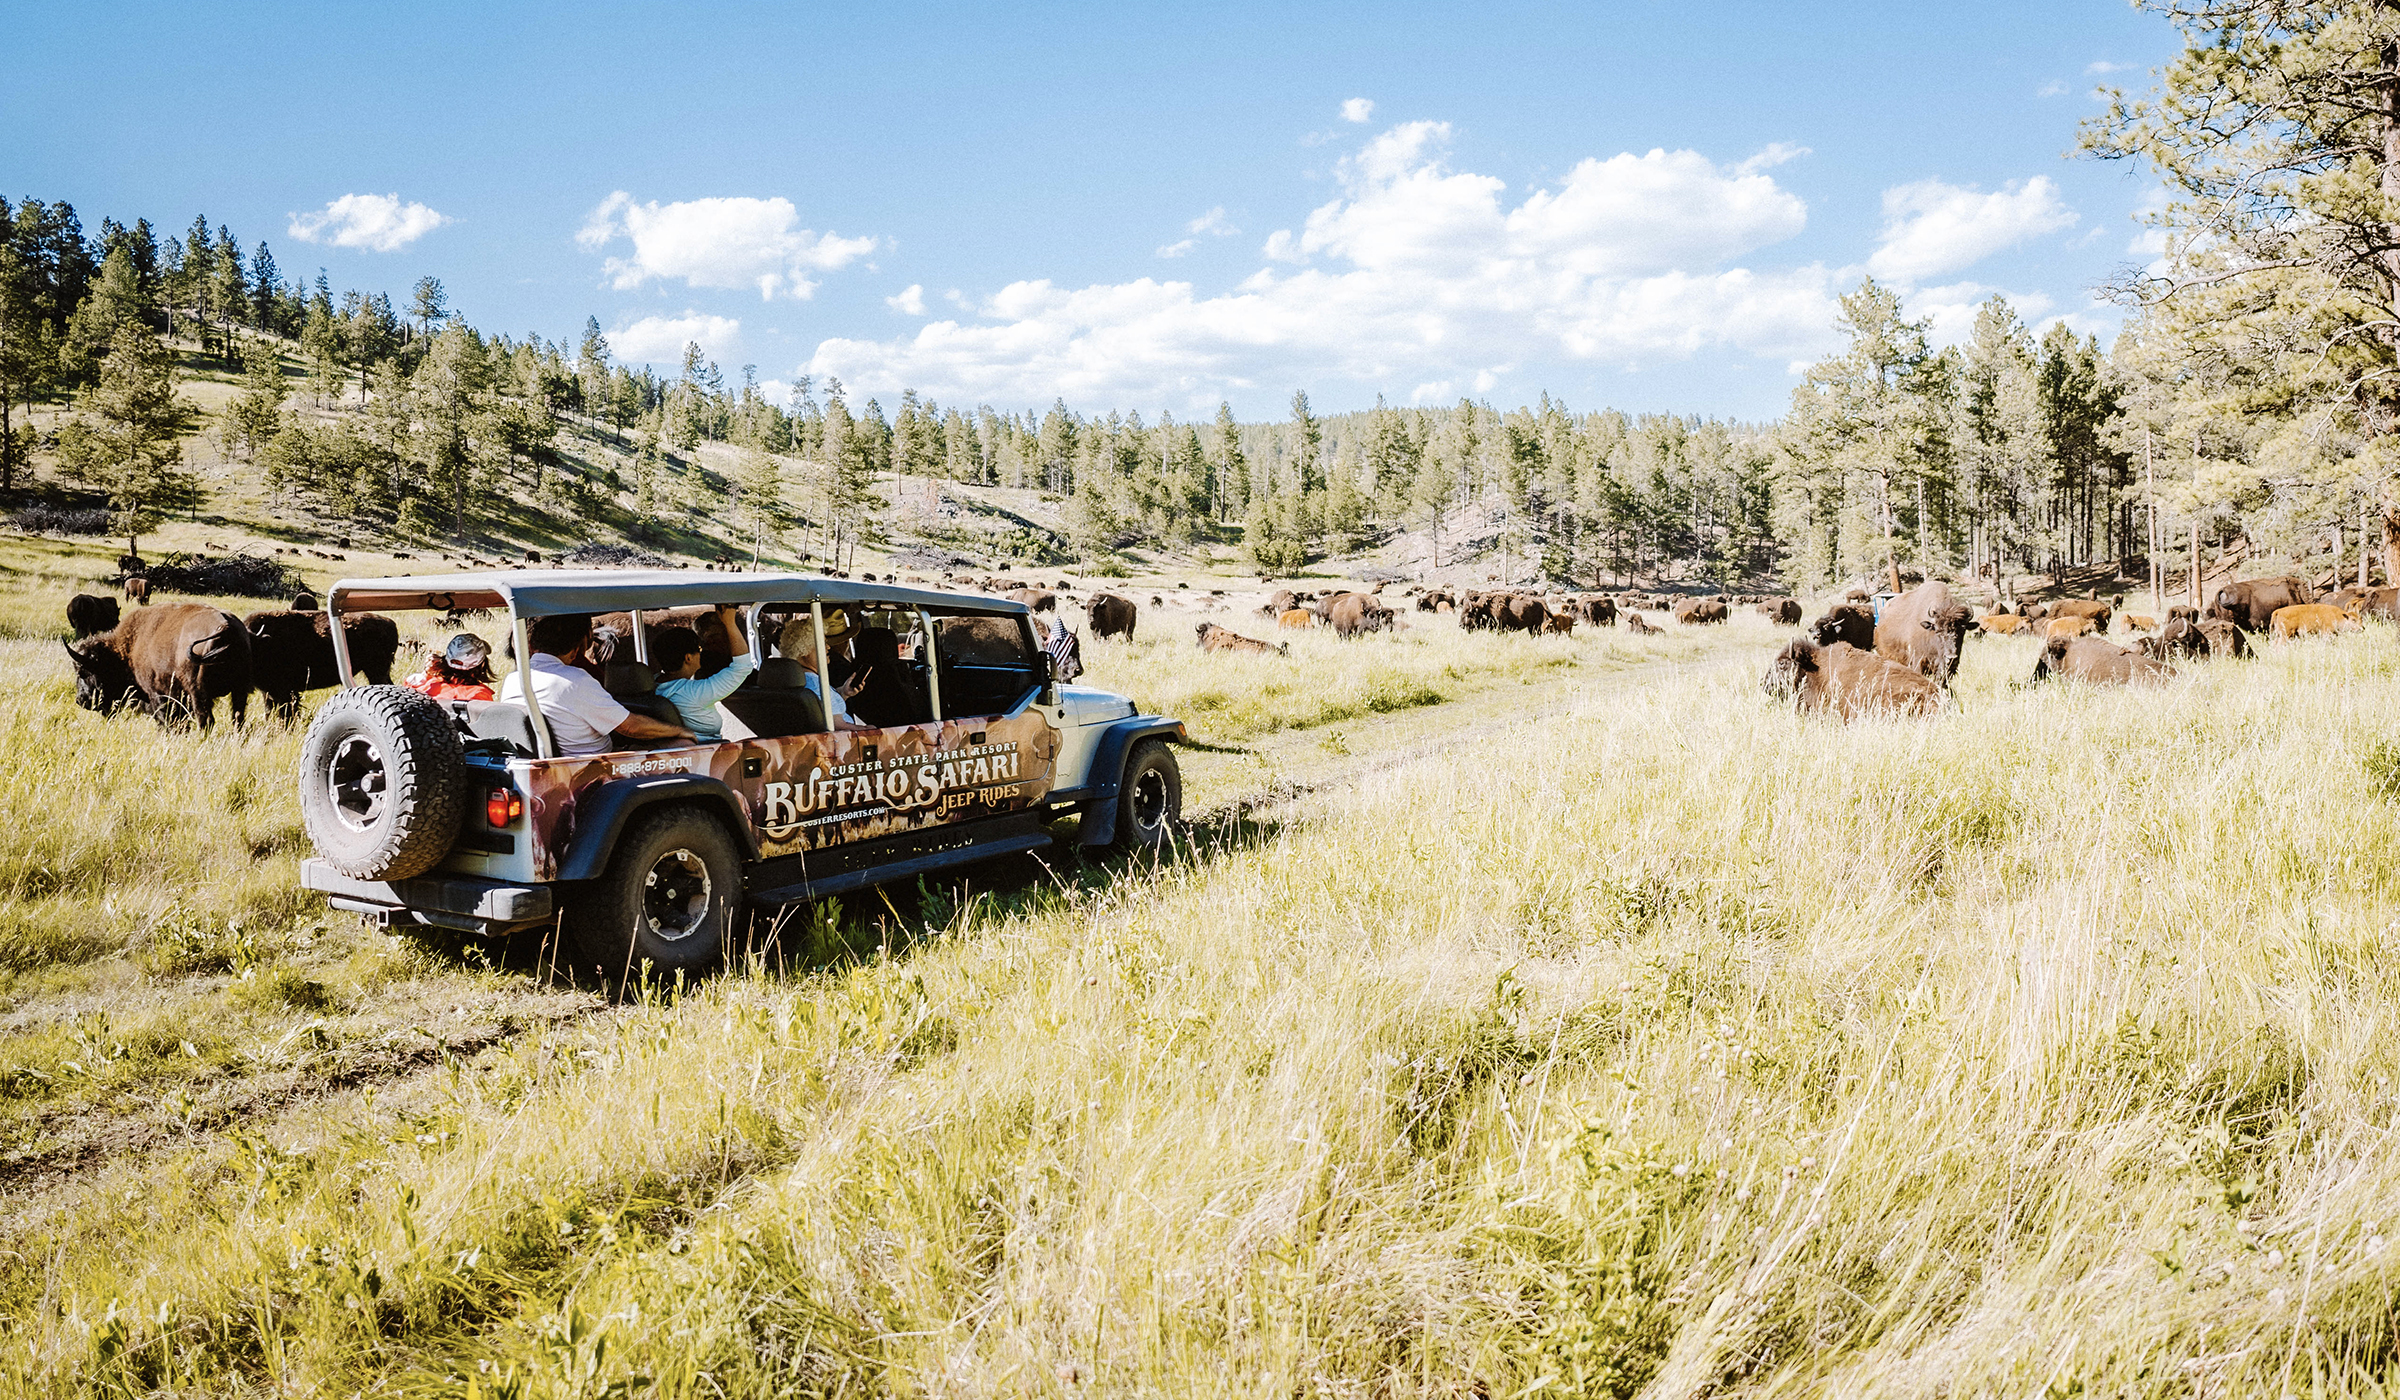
x=1677 y=1042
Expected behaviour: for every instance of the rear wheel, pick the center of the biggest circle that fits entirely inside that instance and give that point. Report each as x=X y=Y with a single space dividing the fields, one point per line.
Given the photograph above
x=667 y=902
x=1149 y=798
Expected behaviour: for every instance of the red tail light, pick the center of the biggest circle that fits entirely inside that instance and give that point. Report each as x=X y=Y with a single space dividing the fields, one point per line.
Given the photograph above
x=503 y=806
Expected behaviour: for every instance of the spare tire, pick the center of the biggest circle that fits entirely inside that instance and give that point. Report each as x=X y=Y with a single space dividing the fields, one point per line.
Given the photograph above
x=383 y=783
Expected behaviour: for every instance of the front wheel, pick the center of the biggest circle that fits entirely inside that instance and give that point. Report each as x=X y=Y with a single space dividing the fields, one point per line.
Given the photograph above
x=666 y=904
x=1149 y=799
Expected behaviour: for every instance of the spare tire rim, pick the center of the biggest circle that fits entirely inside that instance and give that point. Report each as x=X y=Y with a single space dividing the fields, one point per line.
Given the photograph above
x=356 y=778
x=1150 y=799
x=675 y=894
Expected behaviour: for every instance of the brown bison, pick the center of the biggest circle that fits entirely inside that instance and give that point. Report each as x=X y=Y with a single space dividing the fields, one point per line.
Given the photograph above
x=2099 y=662
x=2251 y=604
x=1850 y=623
x=2312 y=619
x=1214 y=638
x=2135 y=622
x=173 y=660
x=137 y=591
x=2067 y=627
x=2178 y=636
x=88 y=613
x=2225 y=641
x=1783 y=612
x=1849 y=682
x=1924 y=629
x=1038 y=599
x=2098 y=611
x=1697 y=612
x=1354 y=613
x=2184 y=611
x=1559 y=624
x=1113 y=616
x=292 y=652
x=2001 y=624
x=2370 y=602
x=1519 y=613
x=1296 y=619
x=1599 y=610
x=1640 y=626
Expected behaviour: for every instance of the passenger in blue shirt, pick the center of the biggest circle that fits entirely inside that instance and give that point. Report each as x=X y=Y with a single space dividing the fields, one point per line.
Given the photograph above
x=675 y=654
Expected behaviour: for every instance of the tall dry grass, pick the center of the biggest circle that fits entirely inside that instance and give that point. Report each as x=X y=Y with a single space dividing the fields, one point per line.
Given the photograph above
x=1682 y=1045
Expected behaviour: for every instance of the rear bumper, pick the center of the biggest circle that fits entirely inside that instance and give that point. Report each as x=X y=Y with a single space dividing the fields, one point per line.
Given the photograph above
x=446 y=901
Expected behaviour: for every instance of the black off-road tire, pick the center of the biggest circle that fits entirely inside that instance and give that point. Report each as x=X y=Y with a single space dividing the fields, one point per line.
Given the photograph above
x=1149 y=799
x=383 y=783
x=667 y=904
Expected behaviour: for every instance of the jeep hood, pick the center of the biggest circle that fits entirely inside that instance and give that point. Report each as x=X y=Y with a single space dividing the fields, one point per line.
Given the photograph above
x=1085 y=704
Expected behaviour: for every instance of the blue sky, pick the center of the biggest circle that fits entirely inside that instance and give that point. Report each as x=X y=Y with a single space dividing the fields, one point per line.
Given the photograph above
x=1644 y=206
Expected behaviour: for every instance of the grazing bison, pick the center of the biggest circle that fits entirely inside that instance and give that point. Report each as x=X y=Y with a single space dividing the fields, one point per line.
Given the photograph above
x=2225 y=641
x=173 y=660
x=2099 y=662
x=2370 y=602
x=1924 y=629
x=137 y=591
x=2067 y=627
x=2251 y=604
x=2312 y=619
x=1354 y=613
x=1296 y=619
x=1559 y=624
x=88 y=613
x=2098 y=611
x=1519 y=613
x=1113 y=616
x=1215 y=638
x=1039 y=599
x=1640 y=626
x=1849 y=682
x=1851 y=623
x=1783 y=612
x=1283 y=600
x=2001 y=624
x=292 y=652
x=1696 y=612
x=1599 y=610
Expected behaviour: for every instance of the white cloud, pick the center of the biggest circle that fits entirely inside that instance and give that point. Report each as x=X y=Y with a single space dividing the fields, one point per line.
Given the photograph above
x=2056 y=87
x=1358 y=109
x=1213 y=223
x=1931 y=228
x=910 y=302
x=1416 y=274
x=2104 y=66
x=719 y=242
x=380 y=222
x=1950 y=310
x=659 y=340
x=1769 y=156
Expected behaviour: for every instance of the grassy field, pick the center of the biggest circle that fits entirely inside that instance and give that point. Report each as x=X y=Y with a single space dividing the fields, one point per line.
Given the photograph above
x=1667 y=1042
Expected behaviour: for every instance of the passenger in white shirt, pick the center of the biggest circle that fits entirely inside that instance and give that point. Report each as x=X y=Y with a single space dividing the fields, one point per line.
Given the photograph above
x=584 y=718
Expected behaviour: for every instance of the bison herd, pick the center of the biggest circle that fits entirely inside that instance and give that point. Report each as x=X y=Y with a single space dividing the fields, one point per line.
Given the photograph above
x=174 y=661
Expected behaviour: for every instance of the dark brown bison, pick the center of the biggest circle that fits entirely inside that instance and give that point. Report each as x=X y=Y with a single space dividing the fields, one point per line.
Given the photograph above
x=1598 y=610
x=1849 y=682
x=173 y=660
x=1215 y=638
x=2176 y=637
x=1640 y=626
x=88 y=613
x=1783 y=612
x=1281 y=601
x=1113 y=616
x=1038 y=599
x=2226 y=642
x=1694 y=612
x=1478 y=612
x=1925 y=629
x=1519 y=613
x=292 y=652
x=1850 y=623
x=2185 y=611
x=2251 y=604
x=2371 y=602
x=1354 y=613
x=2099 y=662
x=1436 y=600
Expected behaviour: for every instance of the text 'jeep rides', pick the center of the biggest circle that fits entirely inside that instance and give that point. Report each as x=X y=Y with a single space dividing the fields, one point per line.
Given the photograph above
x=463 y=815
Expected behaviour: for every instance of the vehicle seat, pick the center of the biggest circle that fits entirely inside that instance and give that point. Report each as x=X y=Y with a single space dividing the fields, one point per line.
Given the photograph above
x=888 y=698
x=635 y=686
x=773 y=703
x=495 y=726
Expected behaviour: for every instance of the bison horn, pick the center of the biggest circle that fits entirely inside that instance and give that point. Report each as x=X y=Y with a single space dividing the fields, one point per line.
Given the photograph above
x=75 y=656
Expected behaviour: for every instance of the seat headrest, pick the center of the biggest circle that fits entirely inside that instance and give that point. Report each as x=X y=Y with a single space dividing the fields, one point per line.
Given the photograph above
x=782 y=673
x=630 y=678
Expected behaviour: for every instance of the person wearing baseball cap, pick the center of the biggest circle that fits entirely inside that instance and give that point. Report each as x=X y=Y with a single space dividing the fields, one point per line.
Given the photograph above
x=463 y=671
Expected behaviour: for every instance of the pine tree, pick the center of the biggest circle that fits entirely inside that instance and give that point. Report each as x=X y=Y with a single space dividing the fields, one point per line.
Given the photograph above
x=266 y=291
x=255 y=414
x=230 y=289
x=428 y=305
x=1232 y=468
x=758 y=502
x=124 y=437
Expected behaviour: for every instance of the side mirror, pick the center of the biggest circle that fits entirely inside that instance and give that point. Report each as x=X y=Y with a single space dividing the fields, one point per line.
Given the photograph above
x=1047 y=665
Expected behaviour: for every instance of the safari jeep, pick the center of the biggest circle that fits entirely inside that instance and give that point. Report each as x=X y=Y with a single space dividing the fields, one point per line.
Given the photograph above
x=463 y=814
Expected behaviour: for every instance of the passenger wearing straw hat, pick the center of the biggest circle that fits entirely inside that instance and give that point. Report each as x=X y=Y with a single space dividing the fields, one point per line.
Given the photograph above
x=799 y=643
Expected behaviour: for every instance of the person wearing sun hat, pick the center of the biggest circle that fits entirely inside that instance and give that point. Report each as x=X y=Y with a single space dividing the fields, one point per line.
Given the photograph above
x=798 y=641
x=462 y=672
